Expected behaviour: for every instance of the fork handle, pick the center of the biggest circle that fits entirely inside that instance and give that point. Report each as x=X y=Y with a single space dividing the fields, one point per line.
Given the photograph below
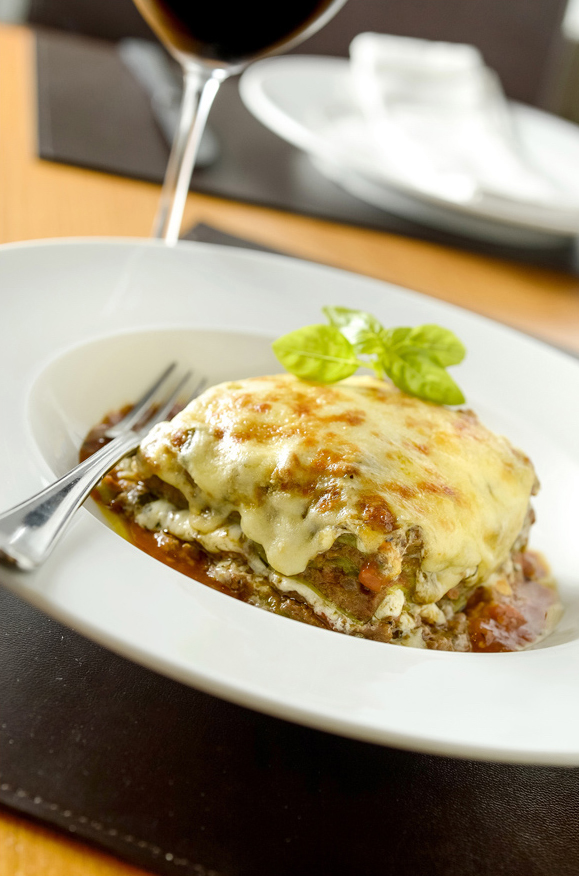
x=30 y=530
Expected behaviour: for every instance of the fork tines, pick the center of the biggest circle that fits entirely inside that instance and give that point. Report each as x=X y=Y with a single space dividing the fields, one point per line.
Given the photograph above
x=157 y=402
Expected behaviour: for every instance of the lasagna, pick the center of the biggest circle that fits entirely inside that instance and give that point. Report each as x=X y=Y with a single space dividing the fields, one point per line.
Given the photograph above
x=353 y=507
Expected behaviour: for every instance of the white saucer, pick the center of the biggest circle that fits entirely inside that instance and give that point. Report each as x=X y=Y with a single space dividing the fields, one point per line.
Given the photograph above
x=86 y=324
x=309 y=102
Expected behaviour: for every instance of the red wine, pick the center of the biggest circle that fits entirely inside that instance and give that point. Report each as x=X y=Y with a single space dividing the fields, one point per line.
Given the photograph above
x=230 y=31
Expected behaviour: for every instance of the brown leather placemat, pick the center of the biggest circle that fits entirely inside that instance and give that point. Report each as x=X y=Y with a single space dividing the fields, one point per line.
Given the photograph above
x=92 y=113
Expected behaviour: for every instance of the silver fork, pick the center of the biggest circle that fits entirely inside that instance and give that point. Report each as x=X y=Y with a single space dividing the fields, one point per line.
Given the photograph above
x=30 y=530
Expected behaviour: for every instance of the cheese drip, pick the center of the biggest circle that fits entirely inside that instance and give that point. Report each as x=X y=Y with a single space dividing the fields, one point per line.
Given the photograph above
x=303 y=463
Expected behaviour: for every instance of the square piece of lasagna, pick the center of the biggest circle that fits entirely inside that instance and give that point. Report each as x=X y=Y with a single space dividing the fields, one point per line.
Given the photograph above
x=353 y=507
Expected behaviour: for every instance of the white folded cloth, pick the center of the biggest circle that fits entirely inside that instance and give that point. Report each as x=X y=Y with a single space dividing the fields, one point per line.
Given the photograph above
x=440 y=119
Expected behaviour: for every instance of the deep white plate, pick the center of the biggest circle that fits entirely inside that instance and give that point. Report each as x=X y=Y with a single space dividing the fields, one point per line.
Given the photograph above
x=84 y=326
x=309 y=101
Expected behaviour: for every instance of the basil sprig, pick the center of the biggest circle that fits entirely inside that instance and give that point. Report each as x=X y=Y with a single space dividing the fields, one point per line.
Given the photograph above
x=415 y=359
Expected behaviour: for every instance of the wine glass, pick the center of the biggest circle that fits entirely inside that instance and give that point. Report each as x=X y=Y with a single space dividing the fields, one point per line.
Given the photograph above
x=213 y=39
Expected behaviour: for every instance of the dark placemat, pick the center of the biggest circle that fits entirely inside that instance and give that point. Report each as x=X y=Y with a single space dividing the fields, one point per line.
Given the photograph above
x=203 y=233
x=93 y=113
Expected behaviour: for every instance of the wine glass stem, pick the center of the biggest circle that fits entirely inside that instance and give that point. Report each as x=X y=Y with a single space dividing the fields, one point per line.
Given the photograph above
x=200 y=88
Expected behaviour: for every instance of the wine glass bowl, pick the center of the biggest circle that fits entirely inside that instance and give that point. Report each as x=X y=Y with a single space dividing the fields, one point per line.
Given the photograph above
x=211 y=41
x=232 y=34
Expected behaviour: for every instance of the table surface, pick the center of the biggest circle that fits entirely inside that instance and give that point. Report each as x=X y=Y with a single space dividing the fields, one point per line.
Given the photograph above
x=43 y=200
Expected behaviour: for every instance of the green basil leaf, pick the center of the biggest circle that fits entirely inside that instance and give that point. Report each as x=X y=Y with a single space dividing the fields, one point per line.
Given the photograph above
x=359 y=327
x=439 y=345
x=413 y=358
x=319 y=353
x=395 y=337
x=418 y=376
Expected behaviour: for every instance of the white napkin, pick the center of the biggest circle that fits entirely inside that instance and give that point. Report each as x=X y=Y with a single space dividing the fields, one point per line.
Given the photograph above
x=439 y=117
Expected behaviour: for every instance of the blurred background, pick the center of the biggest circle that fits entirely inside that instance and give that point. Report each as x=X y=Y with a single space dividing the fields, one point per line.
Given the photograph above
x=103 y=107
x=532 y=44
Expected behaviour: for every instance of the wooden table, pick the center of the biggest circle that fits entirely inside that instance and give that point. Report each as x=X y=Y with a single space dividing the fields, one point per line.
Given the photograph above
x=43 y=200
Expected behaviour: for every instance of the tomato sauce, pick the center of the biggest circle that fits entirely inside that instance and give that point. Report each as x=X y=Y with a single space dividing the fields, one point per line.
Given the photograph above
x=509 y=623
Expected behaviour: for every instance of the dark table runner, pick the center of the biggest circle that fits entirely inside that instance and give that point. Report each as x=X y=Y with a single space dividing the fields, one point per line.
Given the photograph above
x=174 y=780
x=93 y=113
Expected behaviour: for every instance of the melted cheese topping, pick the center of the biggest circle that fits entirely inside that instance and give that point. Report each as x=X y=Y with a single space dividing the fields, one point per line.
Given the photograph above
x=304 y=463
